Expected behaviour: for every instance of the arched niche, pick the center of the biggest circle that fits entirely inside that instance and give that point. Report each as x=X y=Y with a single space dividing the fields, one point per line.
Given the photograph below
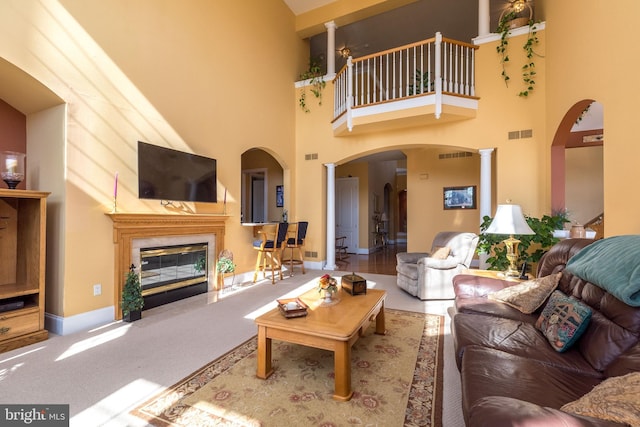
x=262 y=177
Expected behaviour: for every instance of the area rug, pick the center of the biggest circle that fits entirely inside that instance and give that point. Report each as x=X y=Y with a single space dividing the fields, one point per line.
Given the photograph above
x=396 y=381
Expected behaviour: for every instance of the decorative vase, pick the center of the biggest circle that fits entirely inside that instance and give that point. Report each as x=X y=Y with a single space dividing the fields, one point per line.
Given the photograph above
x=328 y=296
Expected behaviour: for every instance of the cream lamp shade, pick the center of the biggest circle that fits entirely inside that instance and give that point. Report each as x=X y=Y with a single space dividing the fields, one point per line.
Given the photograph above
x=509 y=220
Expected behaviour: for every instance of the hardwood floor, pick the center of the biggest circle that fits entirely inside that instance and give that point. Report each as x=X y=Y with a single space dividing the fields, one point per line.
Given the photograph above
x=383 y=261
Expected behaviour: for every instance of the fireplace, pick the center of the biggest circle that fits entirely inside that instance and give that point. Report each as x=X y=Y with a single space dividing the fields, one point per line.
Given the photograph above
x=170 y=273
x=135 y=232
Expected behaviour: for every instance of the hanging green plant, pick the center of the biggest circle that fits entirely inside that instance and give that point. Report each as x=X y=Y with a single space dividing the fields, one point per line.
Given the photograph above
x=529 y=68
x=316 y=84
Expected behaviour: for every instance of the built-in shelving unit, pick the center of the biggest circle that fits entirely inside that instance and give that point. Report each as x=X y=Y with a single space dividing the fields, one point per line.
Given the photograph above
x=22 y=267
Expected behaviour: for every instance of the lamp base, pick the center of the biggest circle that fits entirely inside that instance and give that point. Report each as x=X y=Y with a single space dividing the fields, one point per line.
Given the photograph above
x=511 y=273
x=512 y=256
x=12 y=184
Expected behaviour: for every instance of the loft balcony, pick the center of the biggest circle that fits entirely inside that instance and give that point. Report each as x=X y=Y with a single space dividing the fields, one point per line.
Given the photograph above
x=423 y=83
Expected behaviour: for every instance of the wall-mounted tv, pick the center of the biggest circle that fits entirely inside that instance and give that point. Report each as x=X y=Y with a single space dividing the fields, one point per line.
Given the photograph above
x=172 y=175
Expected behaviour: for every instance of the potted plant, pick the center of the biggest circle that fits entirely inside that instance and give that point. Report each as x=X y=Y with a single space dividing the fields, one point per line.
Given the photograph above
x=316 y=80
x=132 y=301
x=224 y=265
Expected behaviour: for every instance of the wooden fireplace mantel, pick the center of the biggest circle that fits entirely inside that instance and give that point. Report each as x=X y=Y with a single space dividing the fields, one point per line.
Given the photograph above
x=130 y=226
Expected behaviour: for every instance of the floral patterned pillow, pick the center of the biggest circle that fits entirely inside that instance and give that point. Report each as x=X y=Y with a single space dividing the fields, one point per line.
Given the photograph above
x=563 y=320
x=614 y=399
x=527 y=296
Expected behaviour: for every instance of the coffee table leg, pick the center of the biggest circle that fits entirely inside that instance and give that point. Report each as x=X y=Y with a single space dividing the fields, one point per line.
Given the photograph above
x=264 y=354
x=380 y=326
x=342 y=367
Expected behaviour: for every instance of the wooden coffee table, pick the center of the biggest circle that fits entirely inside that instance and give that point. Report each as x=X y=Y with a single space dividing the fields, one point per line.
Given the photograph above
x=333 y=328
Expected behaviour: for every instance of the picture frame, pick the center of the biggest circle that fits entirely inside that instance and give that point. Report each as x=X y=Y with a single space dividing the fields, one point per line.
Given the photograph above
x=460 y=197
x=279 y=196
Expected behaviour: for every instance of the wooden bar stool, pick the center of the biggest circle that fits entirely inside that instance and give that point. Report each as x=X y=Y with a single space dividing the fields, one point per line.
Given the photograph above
x=297 y=234
x=270 y=247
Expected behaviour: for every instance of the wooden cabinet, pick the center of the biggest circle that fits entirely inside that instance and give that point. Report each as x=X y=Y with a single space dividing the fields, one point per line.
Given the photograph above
x=22 y=267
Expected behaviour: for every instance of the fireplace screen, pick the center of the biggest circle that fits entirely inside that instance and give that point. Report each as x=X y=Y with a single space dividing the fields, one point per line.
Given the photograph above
x=172 y=267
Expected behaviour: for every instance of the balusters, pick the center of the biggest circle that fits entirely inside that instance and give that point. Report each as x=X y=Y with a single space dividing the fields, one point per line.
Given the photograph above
x=446 y=66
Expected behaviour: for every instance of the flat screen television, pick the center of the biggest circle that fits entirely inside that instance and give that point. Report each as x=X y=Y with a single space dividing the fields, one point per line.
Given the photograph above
x=172 y=175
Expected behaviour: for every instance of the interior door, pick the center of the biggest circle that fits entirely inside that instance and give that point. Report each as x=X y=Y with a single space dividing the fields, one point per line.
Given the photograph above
x=347 y=208
x=257 y=199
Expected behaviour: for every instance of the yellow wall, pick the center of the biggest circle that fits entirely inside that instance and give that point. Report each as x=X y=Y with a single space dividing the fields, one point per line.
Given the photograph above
x=521 y=166
x=178 y=74
x=592 y=59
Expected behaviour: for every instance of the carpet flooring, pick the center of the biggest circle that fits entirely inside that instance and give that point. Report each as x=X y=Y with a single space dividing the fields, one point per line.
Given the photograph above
x=396 y=379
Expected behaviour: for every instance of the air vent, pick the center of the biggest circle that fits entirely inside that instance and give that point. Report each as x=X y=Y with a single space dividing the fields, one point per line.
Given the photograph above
x=310 y=254
x=526 y=133
x=514 y=134
x=455 y=155
x=312 y=156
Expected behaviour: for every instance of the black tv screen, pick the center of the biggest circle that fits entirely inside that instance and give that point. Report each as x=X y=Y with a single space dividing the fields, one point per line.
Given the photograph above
x=172 y=175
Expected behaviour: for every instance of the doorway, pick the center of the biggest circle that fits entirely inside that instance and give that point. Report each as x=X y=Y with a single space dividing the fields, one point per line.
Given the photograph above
x=347 y=211
x=254 y=200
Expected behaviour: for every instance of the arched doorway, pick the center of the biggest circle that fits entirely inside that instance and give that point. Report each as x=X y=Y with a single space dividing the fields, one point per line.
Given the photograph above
x=576 y=164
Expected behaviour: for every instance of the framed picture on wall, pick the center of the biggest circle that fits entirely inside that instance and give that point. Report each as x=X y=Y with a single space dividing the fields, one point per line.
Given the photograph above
x=279 y=196
x=460 y=197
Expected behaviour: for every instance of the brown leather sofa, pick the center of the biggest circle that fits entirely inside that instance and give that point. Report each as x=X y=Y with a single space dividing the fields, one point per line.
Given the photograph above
x=510 y=374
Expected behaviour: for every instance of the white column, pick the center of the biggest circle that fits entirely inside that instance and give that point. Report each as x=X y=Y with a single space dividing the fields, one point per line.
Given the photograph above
x=485 y=194
x=484 y=18
x=331 y=217
x=331 y=49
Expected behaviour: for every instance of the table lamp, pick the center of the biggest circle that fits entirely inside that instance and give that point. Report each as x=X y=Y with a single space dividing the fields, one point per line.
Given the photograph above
x=510 y=220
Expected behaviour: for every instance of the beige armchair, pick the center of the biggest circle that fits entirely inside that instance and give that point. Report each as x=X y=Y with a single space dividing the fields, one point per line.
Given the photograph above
x=428 y=275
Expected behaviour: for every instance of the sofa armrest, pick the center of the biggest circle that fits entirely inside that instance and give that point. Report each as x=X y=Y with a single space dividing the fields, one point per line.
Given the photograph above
x=440 y=264
x=496 y=411
x=410 y=257
x=472 y=286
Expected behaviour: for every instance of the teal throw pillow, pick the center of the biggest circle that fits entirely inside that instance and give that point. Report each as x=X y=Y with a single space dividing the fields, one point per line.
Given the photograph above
x=563 y=320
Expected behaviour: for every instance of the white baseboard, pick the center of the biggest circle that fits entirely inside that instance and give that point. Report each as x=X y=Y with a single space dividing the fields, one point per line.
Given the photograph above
x=80 y=322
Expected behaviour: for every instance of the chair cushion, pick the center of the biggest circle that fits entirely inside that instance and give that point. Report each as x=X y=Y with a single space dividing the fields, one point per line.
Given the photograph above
x=615 y=399
x=441 y=252
x=528 y=296
x=268 y=245
x=563 y=320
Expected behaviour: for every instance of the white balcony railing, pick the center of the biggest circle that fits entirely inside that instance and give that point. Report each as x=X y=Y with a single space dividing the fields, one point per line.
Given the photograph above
x=431 y=67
